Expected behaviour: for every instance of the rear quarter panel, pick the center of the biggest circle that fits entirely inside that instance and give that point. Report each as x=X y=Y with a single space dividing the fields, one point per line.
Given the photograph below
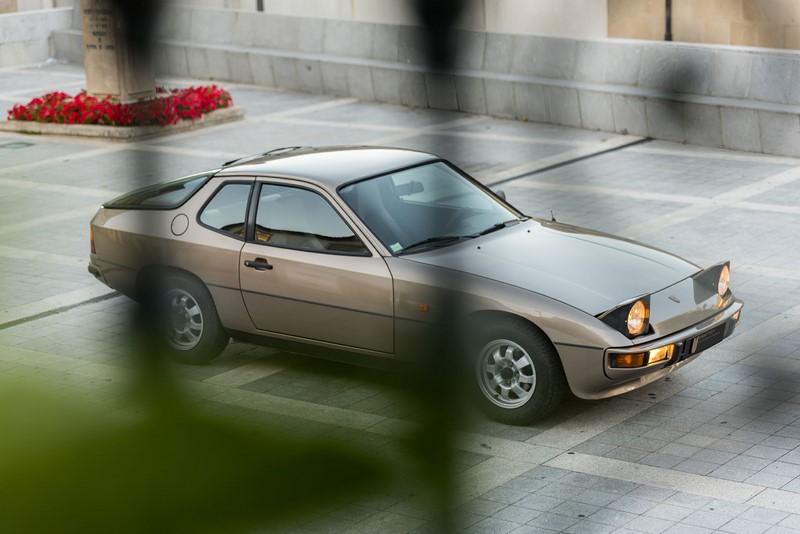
x=128 y=241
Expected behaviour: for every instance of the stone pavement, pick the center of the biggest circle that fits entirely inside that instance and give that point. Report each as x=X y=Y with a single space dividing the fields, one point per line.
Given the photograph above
x=713 y=448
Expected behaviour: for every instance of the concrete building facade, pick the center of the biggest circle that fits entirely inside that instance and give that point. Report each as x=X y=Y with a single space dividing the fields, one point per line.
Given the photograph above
x=720 y=96
x=762 y=23
x=759 y=23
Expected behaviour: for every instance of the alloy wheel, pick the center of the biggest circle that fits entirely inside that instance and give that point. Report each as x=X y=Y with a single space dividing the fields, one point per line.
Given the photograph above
x=184 y=320
x=506 y=374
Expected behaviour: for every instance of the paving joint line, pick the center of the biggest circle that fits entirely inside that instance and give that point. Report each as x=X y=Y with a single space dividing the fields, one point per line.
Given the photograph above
x=58 y=188
x=608 y=191
x=660 y=197
x=729 y=198
x=571 y=161
x=699 y=151
x=60 y=309
x=257 y=119
x=88 y=153
x=431 y=129
x=86 y=211
x=40 y=256
x=528 y=140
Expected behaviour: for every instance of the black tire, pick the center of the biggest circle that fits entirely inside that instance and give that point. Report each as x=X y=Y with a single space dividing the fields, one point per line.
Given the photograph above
x=519 y=376
x=191 y=329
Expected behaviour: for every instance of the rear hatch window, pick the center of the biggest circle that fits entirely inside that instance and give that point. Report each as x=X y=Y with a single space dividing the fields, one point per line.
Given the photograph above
x=166 y=195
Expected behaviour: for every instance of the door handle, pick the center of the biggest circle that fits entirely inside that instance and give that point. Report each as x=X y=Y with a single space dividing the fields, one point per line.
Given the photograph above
x=259 y=264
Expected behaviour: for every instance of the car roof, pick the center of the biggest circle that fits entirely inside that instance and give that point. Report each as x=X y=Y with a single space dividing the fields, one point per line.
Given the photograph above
x=330 y=166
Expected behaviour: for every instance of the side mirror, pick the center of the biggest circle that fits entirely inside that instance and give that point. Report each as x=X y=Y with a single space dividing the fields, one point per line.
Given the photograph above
x=500 y=193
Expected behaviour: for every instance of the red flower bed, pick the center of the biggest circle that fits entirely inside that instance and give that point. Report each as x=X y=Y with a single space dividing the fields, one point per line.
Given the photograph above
x=171 y=106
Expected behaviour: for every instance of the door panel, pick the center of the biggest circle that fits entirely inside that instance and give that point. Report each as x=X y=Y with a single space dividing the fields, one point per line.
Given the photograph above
x=339 y=299
x=306 y=273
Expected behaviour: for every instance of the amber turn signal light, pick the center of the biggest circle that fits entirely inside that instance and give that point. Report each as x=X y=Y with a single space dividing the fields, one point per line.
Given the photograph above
x=641 y=359
x=628 y=360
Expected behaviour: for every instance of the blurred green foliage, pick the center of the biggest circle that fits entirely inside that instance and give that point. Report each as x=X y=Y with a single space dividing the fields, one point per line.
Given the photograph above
x=67 y=468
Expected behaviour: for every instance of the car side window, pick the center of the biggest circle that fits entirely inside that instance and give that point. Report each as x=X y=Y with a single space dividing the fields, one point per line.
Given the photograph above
x=227 y=209
x=292 y=217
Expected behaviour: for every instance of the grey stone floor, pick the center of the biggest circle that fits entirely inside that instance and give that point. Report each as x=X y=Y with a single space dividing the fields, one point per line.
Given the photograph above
x=713 y=448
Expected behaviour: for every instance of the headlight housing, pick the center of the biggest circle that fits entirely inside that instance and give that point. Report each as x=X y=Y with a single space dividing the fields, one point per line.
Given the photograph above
x=631 y=319
x=724 y=280
x=715 y=280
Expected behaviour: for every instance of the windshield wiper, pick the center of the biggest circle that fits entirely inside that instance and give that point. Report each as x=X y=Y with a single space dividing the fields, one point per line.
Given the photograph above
x=443 y=240
x=439 y=240
x=500 y=226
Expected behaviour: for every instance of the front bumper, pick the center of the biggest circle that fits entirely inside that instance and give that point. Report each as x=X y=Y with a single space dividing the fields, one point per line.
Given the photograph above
x=600 y=382
x=687 y=343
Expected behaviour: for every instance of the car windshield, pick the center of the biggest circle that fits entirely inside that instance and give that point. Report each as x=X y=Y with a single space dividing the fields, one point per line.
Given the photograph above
x=428 y=206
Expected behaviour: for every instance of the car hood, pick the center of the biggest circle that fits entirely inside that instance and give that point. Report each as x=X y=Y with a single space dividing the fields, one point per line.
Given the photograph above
x=588 y=270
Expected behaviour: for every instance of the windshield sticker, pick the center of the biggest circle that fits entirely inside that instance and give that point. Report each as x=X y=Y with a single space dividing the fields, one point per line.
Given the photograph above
x=397 y=247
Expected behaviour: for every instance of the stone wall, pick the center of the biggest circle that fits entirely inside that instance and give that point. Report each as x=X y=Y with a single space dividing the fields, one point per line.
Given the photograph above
x=25 y=36
x=718 y=96
x=765 y=23
x=11 y=6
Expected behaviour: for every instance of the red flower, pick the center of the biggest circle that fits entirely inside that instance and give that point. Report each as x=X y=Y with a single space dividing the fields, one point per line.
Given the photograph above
x=172 y=106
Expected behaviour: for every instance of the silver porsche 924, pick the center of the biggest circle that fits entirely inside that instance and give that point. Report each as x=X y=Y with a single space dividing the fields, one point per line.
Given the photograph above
x=354 y=250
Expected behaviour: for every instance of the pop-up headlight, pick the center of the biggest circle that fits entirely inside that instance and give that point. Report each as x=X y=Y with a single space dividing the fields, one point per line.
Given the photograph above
x=631 y=319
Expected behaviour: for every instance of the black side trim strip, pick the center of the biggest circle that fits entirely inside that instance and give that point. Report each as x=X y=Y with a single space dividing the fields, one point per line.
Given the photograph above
x=387 y=316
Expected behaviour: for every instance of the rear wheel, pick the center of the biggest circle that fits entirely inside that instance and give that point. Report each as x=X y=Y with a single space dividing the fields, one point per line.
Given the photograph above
x=190 y=324
x=519 y=374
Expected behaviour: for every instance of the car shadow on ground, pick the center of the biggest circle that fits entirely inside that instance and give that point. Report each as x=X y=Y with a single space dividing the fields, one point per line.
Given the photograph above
x=392 y=394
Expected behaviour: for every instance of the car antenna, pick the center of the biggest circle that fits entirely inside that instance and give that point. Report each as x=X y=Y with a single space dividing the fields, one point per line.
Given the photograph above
x=552 y=217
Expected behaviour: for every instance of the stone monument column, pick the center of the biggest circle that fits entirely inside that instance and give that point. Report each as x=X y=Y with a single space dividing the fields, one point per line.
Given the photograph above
x=112 y=68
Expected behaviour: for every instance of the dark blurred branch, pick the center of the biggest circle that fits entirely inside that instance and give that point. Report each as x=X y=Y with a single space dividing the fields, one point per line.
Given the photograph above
x=438 y=19
x=139 y=23
x=668 y=32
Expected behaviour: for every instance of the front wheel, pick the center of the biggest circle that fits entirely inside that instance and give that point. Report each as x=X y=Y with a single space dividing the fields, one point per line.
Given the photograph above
x=519 y=374
x=190 y=324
